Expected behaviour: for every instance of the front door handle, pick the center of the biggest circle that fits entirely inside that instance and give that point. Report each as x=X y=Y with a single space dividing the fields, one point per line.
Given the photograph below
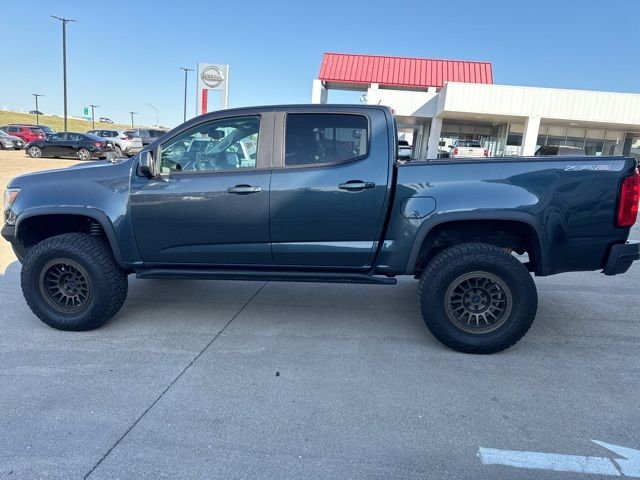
x=244 y=189
x=356 y=185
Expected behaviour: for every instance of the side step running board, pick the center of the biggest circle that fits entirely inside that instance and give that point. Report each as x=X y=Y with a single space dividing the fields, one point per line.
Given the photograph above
x=264 y=275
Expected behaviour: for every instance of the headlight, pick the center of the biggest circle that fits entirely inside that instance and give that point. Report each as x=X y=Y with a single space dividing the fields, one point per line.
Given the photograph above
x=10 y=195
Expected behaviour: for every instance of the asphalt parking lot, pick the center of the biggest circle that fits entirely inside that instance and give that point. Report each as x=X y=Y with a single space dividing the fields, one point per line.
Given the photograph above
x=197 y=379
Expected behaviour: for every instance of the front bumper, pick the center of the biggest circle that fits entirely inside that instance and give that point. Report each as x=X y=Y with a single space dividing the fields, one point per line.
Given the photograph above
x=9 y=234
x=621 y=257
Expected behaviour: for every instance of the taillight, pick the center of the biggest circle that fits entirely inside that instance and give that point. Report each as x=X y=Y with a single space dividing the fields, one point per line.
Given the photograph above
x=455 y=151
x=99 y=144
x=628 y=202
x=486 y=152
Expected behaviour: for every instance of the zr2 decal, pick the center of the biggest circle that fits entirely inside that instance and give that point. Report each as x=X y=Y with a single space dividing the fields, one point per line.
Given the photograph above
x=577 y=168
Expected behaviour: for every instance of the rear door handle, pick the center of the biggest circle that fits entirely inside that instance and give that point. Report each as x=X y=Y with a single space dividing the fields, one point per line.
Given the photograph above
x=244 y=189
x=356 y=185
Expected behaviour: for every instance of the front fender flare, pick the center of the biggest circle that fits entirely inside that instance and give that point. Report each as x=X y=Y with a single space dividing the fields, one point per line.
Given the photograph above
x=91 y=212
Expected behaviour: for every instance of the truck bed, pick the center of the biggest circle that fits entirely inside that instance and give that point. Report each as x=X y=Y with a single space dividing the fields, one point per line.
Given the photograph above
x=569 y=204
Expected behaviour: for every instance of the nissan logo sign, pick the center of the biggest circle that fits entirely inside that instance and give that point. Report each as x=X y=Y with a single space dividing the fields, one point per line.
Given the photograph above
x=212 y=76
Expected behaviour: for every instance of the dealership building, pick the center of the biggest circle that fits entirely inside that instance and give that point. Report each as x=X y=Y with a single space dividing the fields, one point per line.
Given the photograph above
x=439 y=101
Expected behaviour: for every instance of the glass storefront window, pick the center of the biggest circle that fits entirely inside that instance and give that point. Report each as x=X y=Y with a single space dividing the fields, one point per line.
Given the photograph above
x=594 y=143
x=575 y=137
x=632 y=145
x=613 y=143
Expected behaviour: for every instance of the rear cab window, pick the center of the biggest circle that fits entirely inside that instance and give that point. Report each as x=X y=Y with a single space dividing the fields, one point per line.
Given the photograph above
x=319 y=138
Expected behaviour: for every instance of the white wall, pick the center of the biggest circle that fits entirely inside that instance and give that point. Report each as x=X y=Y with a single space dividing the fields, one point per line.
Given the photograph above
x=404 y=102
x=548 y=103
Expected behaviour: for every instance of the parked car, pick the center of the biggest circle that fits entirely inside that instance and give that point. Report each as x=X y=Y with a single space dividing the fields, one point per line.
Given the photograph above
x=467 y=149
x=562 y=151
x=147 y=135
x=309 y=205
x=47 y=130
x=404 y=150
x=84 y=146
x=8 y=142
x=35 y=112
x=105 y=120
x=27 y=133
x=124 y=143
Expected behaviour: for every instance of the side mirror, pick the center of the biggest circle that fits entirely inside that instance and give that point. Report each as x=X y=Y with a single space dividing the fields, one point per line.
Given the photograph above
x=146 y=164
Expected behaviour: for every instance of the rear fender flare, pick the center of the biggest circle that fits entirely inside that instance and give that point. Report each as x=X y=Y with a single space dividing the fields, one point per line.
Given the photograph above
x=430 y=223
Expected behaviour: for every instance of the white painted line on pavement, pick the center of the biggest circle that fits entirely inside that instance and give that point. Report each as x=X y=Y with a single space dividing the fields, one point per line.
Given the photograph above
x=628 y=466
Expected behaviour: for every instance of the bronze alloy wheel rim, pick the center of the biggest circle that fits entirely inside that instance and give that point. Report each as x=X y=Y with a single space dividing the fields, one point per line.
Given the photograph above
x=478 y=302
x=65 y=286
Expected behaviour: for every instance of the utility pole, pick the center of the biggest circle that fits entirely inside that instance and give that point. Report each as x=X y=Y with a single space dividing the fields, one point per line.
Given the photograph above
x=37 y=111
x=186 y=72
x=157 y=115
x=64 y=61
x=93 y=118
x=132 y=114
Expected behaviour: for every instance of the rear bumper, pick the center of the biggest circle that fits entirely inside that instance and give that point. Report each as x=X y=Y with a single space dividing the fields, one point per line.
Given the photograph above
x=621 y=257
x=131 y=150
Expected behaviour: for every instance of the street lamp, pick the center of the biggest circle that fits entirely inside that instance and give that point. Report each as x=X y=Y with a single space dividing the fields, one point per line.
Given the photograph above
x=186 y=72
x=37 y=111
x=64 y=61
x=157 y=115
x=132 y=114
x=93 y=118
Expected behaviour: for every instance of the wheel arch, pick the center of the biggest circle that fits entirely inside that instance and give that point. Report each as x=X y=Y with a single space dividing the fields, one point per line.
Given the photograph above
x=28 y=218
x=422 y=245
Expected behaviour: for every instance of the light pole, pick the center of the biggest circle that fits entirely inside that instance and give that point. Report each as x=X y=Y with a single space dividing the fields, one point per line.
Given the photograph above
x=186 y=72
x=132 y=114
x=157 y=115
x=37 y=111
x=93 y=118
x=64 y=61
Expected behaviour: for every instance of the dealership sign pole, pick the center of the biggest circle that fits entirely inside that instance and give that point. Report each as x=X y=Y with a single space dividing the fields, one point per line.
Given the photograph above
x=211 y=77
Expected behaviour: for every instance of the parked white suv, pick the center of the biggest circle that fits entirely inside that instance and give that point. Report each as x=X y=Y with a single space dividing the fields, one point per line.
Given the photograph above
x=124 y=143
x=468 y=149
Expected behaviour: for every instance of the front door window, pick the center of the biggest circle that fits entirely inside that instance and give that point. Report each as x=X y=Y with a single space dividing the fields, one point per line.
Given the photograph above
x=227 y=144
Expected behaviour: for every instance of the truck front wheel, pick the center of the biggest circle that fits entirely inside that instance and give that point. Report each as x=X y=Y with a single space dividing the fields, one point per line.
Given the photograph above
x=72 y=282
x=477 y=298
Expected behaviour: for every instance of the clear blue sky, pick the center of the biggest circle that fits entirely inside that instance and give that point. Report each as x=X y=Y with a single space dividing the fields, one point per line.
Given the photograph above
x=123 y=54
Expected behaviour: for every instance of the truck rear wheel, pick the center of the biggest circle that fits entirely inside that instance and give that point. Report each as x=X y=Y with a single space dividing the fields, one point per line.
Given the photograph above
x=72 y=282
x=477 y=298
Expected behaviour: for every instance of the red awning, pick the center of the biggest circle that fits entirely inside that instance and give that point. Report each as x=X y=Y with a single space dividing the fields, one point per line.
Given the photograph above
x=401 y=71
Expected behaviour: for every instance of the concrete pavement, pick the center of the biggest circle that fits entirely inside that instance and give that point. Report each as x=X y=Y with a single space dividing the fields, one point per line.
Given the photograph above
x=253 y=380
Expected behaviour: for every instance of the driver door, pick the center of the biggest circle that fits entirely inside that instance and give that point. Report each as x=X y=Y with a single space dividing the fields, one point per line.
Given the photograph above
x=209 y=205
x=53 y=146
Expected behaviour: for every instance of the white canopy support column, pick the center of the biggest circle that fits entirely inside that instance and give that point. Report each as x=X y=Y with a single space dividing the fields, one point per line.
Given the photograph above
x=530 y=136
x=318 y=92
x=434 y=137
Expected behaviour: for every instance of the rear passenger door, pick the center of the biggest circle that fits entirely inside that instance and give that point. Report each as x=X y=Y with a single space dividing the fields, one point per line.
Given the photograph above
x=329 y=187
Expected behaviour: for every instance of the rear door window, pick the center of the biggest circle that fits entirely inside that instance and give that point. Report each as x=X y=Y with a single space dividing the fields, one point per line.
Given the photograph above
x=312 y=139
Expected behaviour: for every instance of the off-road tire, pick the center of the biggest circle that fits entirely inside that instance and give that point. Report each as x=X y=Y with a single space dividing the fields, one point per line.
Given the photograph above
x=452 y=264
x=108 y=282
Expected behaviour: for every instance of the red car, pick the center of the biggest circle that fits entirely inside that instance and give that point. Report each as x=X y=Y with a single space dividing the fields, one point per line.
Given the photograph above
x=27 y=133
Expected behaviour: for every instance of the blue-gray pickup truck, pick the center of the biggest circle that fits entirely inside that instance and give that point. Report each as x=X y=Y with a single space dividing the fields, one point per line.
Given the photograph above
x=316 y=193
